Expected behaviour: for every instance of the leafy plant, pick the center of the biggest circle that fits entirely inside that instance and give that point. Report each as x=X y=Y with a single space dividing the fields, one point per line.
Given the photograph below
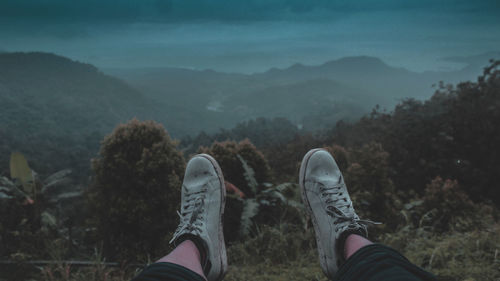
x=270 y=205
x=26 y=222
x=21 y=172
x=135 y=191
x=226 y=153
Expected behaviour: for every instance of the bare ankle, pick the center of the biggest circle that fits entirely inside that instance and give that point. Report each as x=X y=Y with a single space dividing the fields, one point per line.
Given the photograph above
x=353 y=243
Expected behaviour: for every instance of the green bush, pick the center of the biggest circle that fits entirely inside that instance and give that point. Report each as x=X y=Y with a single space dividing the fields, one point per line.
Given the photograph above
x=23 y=228
x=373 y=193
x=231 y=155
x=446 y=207
x=136 y=190
x=226 y=153
x=20 y=233
x=285 y=159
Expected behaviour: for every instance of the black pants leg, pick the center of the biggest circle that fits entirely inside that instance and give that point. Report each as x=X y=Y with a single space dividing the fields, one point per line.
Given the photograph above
x=371 y=263
x=380 y=263
x=165 y=271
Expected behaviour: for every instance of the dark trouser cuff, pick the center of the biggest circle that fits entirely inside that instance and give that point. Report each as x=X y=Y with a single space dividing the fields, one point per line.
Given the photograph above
x=166 y=271
x=341 y=242
x=377 y=262
x=200 y=245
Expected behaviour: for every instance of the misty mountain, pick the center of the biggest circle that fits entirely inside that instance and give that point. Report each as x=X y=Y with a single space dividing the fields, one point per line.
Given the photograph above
x=341 y=89
x=228 y=98
x=47 y=87
x=388 y=84
x=295 y=101
x=47 y=100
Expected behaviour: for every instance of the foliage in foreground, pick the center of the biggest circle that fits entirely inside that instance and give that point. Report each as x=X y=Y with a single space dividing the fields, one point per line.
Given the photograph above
x=136 y=190
x=453 y=135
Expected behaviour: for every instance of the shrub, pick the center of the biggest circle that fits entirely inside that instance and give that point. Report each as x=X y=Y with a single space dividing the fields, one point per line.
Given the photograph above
x=273 y=206
x=226 y=153
x=262 y=203
x=136 y=189
x=23 y=222
x=20 y=234
x=285 y=159
x=373 y=193
x=448 y=207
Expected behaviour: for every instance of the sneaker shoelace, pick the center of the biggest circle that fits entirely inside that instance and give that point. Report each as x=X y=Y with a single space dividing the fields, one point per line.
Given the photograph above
x=191 y=215
x=338 y=207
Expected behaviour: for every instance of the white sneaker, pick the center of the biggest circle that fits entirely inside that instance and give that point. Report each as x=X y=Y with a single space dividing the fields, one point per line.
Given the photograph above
x=202 y=207
x=326 y=198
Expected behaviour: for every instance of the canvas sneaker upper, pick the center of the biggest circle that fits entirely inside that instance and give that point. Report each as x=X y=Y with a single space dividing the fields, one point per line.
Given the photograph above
x=328 y=203
x=202 y=208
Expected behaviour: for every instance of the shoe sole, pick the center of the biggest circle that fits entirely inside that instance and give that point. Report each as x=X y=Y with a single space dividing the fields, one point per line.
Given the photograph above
x=302 y=173
x=222 y=249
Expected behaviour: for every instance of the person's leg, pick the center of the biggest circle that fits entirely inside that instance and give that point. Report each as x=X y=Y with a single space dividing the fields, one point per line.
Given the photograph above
x=200 y=252
x=353 y=243
x=345 y=252
x=186 y=255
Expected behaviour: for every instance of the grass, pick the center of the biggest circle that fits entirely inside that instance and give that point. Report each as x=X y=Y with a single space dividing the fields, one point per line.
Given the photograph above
x=464 y=256
x=284 y=253
x=303 y=270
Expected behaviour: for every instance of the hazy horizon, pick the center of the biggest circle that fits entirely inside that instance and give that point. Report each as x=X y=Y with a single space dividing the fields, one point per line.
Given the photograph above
x=252 y=36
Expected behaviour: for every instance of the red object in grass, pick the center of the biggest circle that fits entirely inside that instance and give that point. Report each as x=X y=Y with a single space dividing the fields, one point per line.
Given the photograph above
x=233 y=189
x=28 y=201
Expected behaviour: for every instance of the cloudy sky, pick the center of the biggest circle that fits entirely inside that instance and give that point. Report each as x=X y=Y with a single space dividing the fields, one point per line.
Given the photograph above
x=253 y=35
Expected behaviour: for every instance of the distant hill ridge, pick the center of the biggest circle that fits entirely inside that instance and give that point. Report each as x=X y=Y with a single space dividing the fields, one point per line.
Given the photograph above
x=354 y=84
x=48 y=99
x=355 y=63
x=53 y=106
x=36 y=71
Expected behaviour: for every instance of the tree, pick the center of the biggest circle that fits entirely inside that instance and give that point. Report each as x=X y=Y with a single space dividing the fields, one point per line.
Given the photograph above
x=136 y=189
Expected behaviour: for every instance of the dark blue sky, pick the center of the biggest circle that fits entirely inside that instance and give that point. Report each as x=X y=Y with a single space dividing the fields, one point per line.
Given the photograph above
x=251 y=35
x=228 y=10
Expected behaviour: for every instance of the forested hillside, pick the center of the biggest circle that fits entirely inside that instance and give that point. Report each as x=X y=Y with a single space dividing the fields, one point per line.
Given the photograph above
x=56 y=110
